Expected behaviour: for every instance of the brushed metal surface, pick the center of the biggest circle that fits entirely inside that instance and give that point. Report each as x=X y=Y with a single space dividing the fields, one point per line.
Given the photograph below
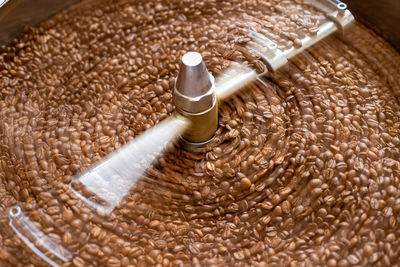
x=382 y=16
x=16 y=14
x=195 y=98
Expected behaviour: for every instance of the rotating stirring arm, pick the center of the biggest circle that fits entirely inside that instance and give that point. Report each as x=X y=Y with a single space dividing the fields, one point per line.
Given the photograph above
x=275 y=58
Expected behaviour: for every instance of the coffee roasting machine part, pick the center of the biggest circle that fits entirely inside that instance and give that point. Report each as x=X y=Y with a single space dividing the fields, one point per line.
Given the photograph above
x=340 y=18
x=197 y=95
x=195 y=99
x=143 y=149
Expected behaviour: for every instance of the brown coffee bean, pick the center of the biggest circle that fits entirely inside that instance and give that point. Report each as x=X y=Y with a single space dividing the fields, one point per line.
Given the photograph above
x=245 y=183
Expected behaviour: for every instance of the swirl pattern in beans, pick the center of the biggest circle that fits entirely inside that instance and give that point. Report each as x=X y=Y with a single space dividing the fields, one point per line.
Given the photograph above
x=303 y=170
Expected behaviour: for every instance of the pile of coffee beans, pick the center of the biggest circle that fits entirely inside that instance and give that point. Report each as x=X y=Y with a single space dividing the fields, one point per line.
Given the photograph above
x=304 y=169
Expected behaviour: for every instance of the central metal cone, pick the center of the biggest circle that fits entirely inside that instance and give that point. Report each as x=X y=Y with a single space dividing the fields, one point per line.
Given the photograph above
x=193 y=78
x=196 y=100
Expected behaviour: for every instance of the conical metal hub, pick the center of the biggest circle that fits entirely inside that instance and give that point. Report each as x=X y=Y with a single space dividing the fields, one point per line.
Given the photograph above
x=193 y=79
x=196 y=100
x=194 y=88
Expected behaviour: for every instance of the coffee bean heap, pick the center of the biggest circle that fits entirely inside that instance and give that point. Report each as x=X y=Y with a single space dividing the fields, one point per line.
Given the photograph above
x=304 y=168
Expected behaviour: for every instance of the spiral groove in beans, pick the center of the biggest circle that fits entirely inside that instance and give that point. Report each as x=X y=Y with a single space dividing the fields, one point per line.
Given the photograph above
x=304 y=168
